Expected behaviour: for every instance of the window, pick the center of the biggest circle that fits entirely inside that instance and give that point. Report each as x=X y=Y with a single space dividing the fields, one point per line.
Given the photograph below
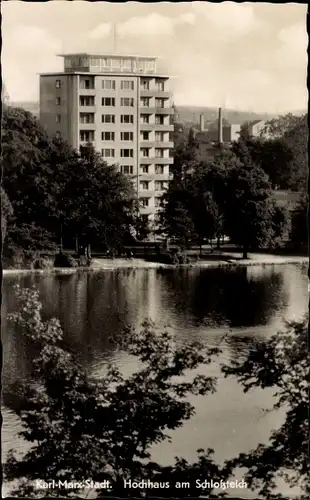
x=144 y=169
x=145 y=136
x=126 y=118
x=159 y=136
x=108 y=84
x=126 y=153
x=108 y=118
x=145 y=119
x=157 y=202
x=145 y=101
x=126 y=64
x=107 y=153
x=160 y=85
x=159 y=119
x=159 y=103
x=159 y=153
x=144 y=185
x=159 y=169
x=58 y=84
x=87 y=117
x=87 y=100
x=87 y=135
x=108 y=136
x=127 y=169
x=126 y=136
x=108 y=101
x=127 y=101
x=127 y=85
x=145 y=85
x=159 y=185
x=145 y=152
x=144 y=202
x=87 y=84
x=58 y=101
x=58 y=118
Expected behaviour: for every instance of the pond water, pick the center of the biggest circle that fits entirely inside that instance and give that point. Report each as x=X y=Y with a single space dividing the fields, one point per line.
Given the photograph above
x=247 y=304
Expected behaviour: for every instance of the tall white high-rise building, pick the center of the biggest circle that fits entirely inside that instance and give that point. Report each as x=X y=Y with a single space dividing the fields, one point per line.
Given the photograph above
x=123 y=107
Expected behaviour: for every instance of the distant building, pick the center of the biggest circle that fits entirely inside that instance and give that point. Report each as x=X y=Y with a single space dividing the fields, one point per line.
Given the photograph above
x=257 y=128
x=123 y=107
x=212 y=136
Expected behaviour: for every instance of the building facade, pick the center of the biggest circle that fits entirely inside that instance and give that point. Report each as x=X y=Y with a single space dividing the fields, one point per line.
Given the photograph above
x=123 y=108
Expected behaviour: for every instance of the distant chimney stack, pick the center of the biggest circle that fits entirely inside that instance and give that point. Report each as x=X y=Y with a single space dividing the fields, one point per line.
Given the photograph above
x=202 y=123
x=220 y=126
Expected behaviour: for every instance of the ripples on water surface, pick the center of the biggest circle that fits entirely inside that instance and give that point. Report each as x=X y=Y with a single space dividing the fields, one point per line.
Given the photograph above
x=247 y=303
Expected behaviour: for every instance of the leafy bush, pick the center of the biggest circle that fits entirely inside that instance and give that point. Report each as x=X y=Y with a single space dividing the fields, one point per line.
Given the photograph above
x=82 y=428
x=65 y=260
x=282 y=363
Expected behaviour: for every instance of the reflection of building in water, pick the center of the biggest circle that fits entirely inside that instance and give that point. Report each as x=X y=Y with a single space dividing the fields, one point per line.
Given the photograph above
x=296 y=284
x=259 y=272
x=143 y=291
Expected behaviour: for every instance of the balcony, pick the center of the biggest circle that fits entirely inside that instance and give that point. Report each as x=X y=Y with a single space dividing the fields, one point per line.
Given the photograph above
x=152 y=161
x=163 y=144
x=164 y=111
x=148 y=127
x=156 y=144
x=152 y=92
x=146 y=193
x=150 y=110
x=87 y=109
x=90 y=91
x=87 y=126
x=163 y=161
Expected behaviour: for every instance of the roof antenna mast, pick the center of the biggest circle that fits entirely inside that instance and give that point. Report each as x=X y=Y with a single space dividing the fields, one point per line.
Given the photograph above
x=114 y=38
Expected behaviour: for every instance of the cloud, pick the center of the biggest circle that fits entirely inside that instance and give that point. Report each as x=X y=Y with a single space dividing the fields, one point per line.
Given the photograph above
x=186 y=18
x=101 y=31
x=295 y=37
x=31 y=38
x=153 y=24
x=36 y=49
x=228 y=18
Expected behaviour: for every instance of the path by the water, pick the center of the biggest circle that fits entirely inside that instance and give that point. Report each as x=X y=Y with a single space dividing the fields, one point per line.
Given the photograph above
x=216 y=260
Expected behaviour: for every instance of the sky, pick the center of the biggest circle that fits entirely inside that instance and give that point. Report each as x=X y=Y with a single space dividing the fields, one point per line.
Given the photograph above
x=250 y=56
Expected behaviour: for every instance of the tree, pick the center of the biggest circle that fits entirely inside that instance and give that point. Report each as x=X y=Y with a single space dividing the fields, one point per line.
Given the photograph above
x=297 y=139
x=278 y=127
x=300 y=222
x=24 y=144
x=83 y=428
x=249 y=208
x=78 y=195
x=102 y=210
x=294 y=131
x=281 y=363
x=274 y=156
x=6 y=213
x=175 y=217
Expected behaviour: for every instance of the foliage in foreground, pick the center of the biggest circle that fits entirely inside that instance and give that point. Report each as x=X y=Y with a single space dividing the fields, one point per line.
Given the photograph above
x=82 y=428
x=281 y=363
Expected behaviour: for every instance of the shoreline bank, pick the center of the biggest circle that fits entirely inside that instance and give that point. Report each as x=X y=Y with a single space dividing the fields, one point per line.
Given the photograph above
x=107 y=264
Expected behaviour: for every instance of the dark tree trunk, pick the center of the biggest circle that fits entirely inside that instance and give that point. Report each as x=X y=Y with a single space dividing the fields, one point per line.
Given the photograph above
x=218 y=246
x=245 y=252
x=88 y=251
